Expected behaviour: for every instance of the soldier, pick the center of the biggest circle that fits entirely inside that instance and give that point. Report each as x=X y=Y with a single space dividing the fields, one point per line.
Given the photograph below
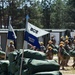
x=62 y=42
x=11 y=47
x=31 y=47
x=73 y=57
x=54 y=46
x=49 y=44
x=67 y=48
x=66 y=37
x=61 y=57
x=0 y=47
x=42 y=47
x=49 y=53
x=2 y=56
x=53 y=39
x=62 y=38
x=74 y=37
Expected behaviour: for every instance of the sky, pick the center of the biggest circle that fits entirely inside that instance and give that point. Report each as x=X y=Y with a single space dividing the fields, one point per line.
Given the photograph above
x=6 y=4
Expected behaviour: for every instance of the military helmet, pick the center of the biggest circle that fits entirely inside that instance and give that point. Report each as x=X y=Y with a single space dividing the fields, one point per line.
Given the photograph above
x=74 y=41
x=50 y=42
x=66 y=41
x=41 y=43
x=62 y=37
x=66 y=37
x=61 y=42
x=61 y=45
x=11 y=42
x=50 y=48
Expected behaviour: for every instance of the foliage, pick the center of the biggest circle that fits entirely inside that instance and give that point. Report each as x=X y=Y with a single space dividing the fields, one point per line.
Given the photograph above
x=71 y=13
x=45 y=14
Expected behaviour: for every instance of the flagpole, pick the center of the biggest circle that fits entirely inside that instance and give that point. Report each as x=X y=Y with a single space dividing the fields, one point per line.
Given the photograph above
x=7 y=40
x=6 y=51
x=23 y=48
x=21 y=61
x=10 y=36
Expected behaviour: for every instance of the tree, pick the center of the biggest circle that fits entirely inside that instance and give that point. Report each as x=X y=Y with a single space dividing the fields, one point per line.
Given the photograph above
x=71 y=14
x=45 y=14
x=46 y=10
x=34 y=11
x=58 y=14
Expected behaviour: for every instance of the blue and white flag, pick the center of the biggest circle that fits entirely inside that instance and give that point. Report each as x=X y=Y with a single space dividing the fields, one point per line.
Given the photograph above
x=32 y=29
x=31 y=39
x=32 y=33
x=11 y=36
x=11 y=32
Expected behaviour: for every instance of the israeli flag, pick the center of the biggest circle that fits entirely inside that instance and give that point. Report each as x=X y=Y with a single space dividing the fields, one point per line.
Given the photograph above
x=11 y=36
x=11 y=32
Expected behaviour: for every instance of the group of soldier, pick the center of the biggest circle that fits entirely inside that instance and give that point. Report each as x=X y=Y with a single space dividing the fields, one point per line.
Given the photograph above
x=62 y=50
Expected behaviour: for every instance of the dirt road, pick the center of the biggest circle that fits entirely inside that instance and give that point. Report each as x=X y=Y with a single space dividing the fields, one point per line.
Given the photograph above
x=68 y=70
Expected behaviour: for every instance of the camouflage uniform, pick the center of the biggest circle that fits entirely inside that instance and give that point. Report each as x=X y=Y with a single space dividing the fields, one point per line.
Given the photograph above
x=67 y=48
x=73 y=57
x=42 y=47
x=50 y=43
x=11 y=47
x=61 y=57
x=49 y=53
